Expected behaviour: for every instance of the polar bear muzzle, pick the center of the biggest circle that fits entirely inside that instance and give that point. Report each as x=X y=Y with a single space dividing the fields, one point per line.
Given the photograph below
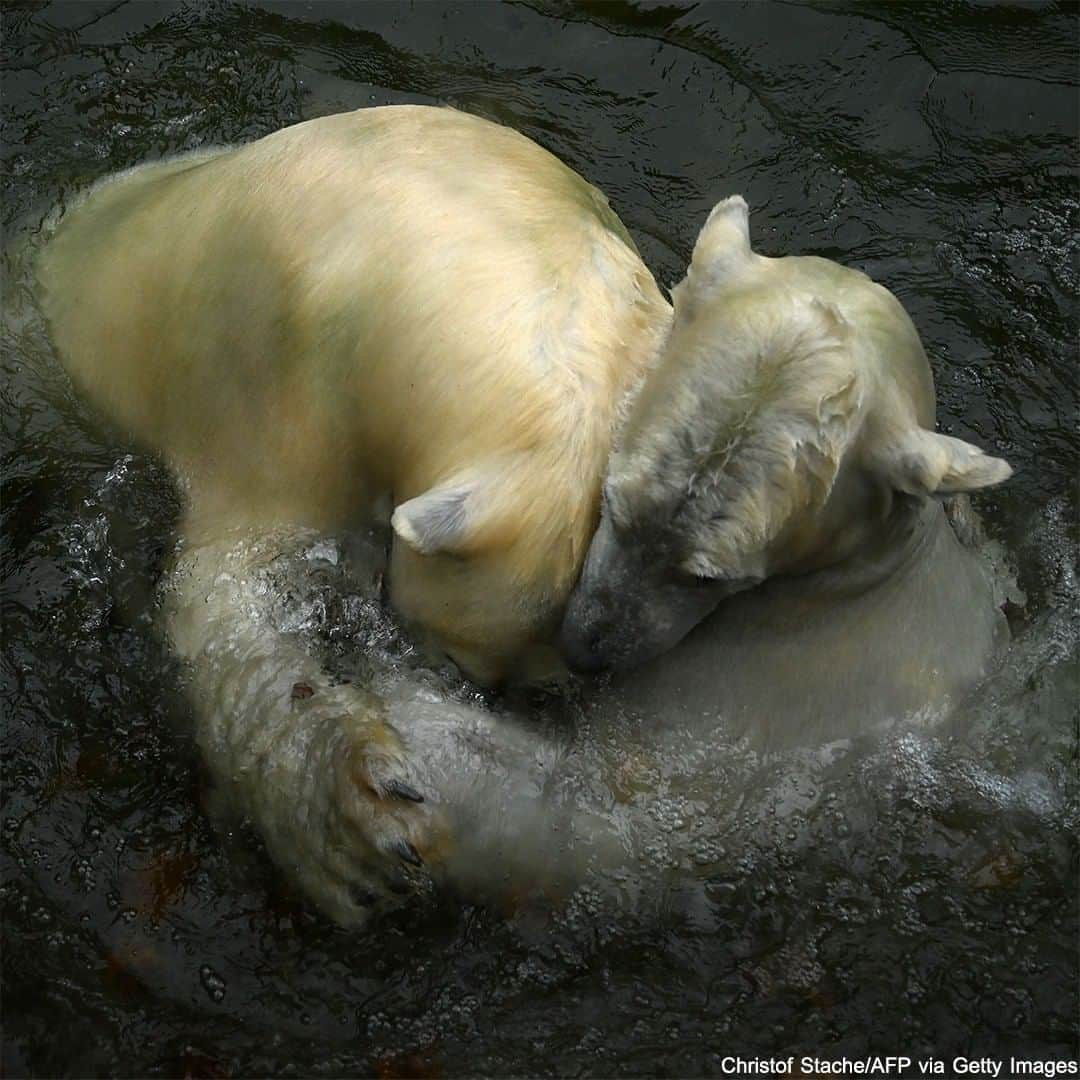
x=629 y=606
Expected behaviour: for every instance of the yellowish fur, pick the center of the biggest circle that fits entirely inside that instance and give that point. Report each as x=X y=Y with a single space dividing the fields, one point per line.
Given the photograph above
x=369 y=305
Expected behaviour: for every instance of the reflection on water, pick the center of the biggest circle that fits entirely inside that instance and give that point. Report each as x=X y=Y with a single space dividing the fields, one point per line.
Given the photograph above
x=909 y=893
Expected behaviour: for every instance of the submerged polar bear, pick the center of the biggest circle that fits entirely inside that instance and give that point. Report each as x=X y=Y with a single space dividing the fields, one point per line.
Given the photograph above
x=414 y=314
x=787 y=432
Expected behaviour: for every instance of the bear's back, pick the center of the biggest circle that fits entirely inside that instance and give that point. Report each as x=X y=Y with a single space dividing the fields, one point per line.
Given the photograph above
x=368 y=288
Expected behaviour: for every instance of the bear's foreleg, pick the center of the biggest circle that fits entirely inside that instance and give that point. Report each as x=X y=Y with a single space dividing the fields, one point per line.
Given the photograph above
x=313 y=763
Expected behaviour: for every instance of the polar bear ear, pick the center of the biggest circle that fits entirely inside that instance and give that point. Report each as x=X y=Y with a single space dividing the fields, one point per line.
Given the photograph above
x=923 y=463
x=437 y=522
x=723 y=246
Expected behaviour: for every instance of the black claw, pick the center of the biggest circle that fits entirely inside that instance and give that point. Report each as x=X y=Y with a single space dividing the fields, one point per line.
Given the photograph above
x=400 y=790
x=407 y=852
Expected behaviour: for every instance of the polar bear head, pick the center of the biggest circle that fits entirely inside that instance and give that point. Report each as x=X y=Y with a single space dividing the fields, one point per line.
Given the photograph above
x=792 y=402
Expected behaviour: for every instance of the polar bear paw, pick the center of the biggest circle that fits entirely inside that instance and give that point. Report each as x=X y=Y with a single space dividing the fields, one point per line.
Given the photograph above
x=367 y=838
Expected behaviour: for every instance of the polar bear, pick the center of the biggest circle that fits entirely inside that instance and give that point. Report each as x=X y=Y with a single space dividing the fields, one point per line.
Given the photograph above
x=401 y=316
x=405 y=306
x=787 y=433
x=414 y=318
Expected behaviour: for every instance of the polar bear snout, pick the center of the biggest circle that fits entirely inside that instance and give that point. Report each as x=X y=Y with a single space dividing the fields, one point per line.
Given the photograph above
x=627 y=608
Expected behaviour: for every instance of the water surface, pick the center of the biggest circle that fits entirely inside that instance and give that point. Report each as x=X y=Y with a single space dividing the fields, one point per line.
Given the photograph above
x=909 y=894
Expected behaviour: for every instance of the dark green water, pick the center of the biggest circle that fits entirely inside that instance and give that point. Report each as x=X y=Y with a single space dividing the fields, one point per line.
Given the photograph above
x=925 y=904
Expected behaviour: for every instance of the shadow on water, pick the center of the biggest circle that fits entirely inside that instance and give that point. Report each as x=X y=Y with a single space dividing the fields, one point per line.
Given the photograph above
x=913 y=893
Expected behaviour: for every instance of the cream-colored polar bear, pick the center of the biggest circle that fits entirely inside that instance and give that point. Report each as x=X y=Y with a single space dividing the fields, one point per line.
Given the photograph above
x=404 y=305
x=413 y=313
x=402 y=312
